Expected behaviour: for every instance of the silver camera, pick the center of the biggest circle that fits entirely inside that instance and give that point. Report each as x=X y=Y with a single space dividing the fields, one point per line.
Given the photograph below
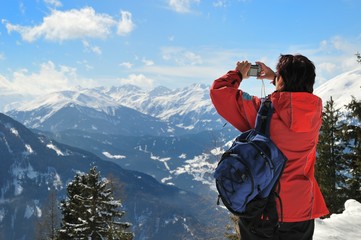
x=254 y=71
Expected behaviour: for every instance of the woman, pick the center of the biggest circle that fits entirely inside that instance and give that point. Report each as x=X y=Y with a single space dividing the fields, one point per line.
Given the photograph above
x=295 y=126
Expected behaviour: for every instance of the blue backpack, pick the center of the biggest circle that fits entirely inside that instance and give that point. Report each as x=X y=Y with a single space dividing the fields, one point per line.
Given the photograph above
x=248 y=173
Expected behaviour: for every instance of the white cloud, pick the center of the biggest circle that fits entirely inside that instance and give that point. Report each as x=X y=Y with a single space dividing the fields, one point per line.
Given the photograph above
x=331 y=57
x=220 y=3
x=126 y=65
x=327 y=67
x=192 y=58
x=5 y=85
x=59 y=26
x=182 y=6
x=138 y=80
x=335 y=56
x=54 y=3
x=22 y=7
x=125 y=24
x=181 y=56
x=337 y=43
x=85 y=64
x=94 y=49
x=50 y=78
x=182 y=72
x=47 y=80
x=147 y=62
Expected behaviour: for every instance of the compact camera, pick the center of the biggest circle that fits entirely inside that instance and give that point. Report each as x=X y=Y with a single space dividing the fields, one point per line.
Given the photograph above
x=254 y=71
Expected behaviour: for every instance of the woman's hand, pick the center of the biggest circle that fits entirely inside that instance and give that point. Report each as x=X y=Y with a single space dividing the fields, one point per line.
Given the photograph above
x=243 y=68
x=266 y=72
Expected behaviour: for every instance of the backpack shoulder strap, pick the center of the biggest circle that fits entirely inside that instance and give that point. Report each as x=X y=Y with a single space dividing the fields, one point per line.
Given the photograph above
x=264 y=115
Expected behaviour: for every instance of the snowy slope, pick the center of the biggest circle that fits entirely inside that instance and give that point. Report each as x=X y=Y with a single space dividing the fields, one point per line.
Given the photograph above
x=91 y=98
x=345 y=226
x=188 y=107
x=341 y=88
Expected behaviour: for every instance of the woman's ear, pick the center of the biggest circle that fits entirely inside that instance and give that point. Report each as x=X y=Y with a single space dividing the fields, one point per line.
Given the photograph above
x=280 y=83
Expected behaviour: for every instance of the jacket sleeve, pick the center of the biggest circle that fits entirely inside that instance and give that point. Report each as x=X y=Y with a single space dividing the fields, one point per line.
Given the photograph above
x=235 y=106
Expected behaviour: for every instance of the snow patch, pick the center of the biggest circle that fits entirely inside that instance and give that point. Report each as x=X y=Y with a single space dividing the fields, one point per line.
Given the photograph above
x=29 y=150
x=217 y=151
x=14 y=131
x=29 y=211
x=57 y=150
x=344 y=226
x=57 y=183
x=185 y=127
x=166 y=179
x=108 y=155
x=183 y=156
x=163 y=160
x=200 y=168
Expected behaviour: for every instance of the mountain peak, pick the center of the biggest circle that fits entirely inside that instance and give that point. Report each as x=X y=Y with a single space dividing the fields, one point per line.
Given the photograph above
x=124 y=87
x=159 y=91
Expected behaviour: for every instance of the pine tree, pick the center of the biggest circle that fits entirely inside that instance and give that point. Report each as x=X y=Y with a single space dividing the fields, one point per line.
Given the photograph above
x=90 y=210
x=72 y=210
x=330 y=164
x=352 y=138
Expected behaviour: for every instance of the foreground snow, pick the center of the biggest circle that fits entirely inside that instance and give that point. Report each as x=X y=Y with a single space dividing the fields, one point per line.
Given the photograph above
x=344 y=226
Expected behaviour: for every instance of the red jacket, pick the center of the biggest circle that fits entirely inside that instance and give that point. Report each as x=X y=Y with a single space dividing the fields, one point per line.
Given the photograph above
x=295 y=126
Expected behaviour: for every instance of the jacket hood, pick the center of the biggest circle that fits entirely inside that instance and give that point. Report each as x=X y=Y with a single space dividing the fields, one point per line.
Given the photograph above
x=299 y=111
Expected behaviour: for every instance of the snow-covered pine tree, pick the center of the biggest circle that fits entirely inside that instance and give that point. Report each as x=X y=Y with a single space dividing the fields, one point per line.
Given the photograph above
x=90 y=210
x=72 y=210
x=358 y=56
x=330 y=164
x=352 y=138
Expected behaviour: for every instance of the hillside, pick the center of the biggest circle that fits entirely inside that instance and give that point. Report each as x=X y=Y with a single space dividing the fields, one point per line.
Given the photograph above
x=341 y=88
x=32 y=164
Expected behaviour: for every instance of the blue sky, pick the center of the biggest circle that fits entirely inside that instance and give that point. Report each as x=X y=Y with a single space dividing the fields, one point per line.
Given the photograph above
x=48 y=45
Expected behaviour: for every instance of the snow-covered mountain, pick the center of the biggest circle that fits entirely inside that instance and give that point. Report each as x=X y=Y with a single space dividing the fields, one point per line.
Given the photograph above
x=165 y=133
x=123 y=110
x=88 y=110
x=187 y=108
x=341 y=88
x=172 y=135
x=129 y=110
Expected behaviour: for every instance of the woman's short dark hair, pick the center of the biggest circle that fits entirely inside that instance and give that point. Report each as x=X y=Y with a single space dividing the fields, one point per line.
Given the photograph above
x=298 y=73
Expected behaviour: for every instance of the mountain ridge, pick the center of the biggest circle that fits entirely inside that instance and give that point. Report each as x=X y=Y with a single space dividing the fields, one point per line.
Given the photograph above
x=155 y=132
x=167 y=104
